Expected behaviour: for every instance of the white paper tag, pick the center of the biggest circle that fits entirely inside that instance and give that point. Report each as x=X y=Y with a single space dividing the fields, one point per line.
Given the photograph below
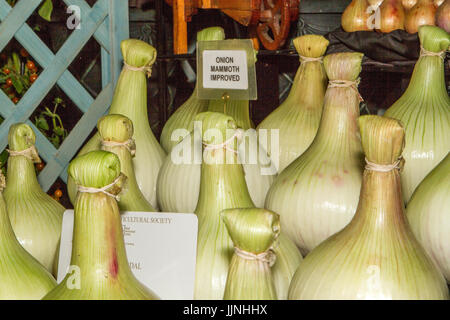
x=161 y=250
x=225 y=69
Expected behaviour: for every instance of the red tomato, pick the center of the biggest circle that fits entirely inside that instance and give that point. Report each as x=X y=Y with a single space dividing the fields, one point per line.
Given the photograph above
x=33 y=77
x=8 y=82
x=30 y=65
x=24 y=53
x=58 y=193
x=15 y=100
x=6 y=71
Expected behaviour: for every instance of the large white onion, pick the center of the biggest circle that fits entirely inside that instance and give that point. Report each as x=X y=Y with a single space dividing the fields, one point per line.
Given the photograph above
x=130 y=100
x=254 y=233
x=376 y=256
x=22 y=277
x=183 y=116
x=297 y=118
x=116 y=132
x=178 y=184
x=428 y=213
x=424 y=109
x=223 y=187
x=35 y=216
x=317 y=194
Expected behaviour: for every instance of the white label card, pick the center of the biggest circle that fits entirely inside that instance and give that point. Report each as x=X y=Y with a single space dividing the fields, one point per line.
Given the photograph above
x=161 y=250
x=225 y=69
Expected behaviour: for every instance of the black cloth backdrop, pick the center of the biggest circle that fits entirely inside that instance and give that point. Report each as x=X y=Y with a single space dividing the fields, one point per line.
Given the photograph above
x=397 y=47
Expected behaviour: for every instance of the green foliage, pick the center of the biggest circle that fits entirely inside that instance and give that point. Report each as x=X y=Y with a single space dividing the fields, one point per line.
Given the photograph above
x=45 y=11
x=56 y=133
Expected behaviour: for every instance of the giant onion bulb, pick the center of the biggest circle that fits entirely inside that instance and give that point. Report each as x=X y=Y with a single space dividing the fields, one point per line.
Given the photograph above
x=100 y=267
x=423 y=13
x=254 y=232
x=239 y=110
x=35 y=216
x=183 y=116
x=317 y=194
x=21 y=276
x=178 y=184
x=130 y=99
x=223 y=187
x=298 y=117
x=392 y=16
x=428 y=214
x=376 y=256
x=443 y=16
x=116 y=132
x=356 y=16
x=424 y=109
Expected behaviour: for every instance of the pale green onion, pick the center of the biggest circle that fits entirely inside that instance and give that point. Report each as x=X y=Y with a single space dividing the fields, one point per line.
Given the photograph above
x=179 y=182
x=428 y=213
x=183 y=116
x=317 y=194
x=237 y=109
x=254 y=233
x=22 y=277
x=424 y=109
x=116 y=132
x=35 y=216
x=99 y=269
x=130 y=100
x=298 y=117
x=376 y=256
x=223 y=186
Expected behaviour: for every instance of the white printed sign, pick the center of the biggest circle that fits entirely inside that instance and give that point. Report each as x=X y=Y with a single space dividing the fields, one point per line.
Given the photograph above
x=161 y=250
x=225 y=69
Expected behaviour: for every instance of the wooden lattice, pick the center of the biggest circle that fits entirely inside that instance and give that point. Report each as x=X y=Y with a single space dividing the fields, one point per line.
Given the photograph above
x=107 y=22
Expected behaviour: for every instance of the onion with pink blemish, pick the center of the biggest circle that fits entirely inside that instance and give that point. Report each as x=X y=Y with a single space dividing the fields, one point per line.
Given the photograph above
x=443 y=16
x=376 y=256
x=317 y=194
x=98 y=249
x=392 y=16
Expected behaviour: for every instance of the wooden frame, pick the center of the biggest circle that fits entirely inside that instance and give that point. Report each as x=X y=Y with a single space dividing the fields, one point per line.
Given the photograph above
x=107 y=22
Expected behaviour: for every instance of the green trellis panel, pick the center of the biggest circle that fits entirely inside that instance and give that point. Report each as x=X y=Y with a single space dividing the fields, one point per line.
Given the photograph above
x=106 y=21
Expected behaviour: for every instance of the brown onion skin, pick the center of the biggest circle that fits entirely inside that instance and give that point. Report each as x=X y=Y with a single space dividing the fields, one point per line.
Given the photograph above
x=408 y=4
x=392 y=16
x=423 y=13
x=443 y=16
x=355 y=16
x=375 y=3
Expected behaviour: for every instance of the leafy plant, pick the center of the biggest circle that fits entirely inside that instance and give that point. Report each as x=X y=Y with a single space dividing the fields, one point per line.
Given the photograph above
x=16 y=76
x=56 y=133
x=45 y=11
